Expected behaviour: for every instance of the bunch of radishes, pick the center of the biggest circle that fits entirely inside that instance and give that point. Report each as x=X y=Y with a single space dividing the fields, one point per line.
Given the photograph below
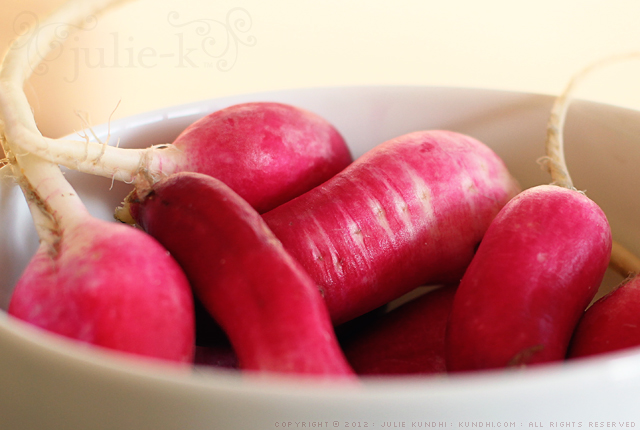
x=258 y=213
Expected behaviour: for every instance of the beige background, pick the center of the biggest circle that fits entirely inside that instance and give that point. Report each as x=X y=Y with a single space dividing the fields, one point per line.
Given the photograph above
x=155 y=53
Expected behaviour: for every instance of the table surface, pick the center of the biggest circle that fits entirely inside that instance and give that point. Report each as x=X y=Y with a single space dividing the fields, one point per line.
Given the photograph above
x=155 y=53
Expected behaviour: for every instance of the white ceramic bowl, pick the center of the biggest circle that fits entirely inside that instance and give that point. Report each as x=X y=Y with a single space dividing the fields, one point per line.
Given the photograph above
x=47 y=382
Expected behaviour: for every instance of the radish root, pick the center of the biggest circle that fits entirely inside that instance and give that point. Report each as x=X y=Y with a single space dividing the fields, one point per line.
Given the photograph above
x=555 y=160
x=622 y=260
x=46 y=228
x=52 y=200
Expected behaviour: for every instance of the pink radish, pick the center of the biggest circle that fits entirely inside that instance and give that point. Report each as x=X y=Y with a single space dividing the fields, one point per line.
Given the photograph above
x=266 y=152
x=408 y=213
x=610 y=324
x=94 y=281
x=270 y=309
x=537 y=268
x=109 y=285
x=407 y=340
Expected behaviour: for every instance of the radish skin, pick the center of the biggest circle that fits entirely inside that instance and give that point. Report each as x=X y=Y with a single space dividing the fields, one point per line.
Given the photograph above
x=410 y=212
x=408 y=340
x=610 y=324
x=537 y=268
x=270 y=309
x=268 y=153
x=111 y=286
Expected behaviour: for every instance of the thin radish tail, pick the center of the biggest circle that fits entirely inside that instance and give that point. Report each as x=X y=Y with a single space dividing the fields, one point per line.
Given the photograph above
x=623 y=261
x=47 y=229
x=555 y=161
x=52 y=200
x=22 y=58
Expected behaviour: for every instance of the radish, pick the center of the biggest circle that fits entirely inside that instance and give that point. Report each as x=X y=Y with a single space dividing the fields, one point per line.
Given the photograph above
x=108 y=285
x=539 y=265
x=610 y=324
x=537 y=268
x=268 y=306
x=266 y=152
x=410 y=212
x=98 y=282
x=407 y=340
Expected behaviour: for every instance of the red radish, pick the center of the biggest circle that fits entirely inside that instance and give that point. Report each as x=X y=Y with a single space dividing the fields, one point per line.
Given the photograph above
x=95 y=281
x=407 y=340
x=610 y=324
x=537 y=268
x=109 y=285
x=410 y=212
x=270 y=309
x=266 y=152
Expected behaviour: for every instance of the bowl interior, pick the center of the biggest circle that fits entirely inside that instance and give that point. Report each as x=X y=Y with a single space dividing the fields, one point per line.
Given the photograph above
x=602 y=150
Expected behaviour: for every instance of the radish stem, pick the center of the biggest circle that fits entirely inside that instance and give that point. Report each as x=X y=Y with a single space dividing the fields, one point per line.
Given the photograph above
x=42 y=182
x=622 y=260
x=556 y=163
x=24 y=56
x=43 y=222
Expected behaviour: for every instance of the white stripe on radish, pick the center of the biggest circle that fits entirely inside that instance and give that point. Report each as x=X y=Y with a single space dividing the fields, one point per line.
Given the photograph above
x=428 y=172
